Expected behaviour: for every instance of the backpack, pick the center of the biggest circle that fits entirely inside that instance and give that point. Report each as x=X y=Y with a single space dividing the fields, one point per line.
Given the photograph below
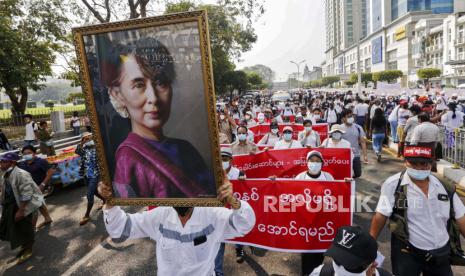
x=398 y=222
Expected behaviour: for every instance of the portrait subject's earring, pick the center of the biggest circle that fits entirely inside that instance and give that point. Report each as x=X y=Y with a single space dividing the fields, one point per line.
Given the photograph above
x=124 y=112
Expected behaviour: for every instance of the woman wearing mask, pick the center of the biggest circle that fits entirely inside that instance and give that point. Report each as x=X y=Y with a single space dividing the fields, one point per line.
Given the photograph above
x=249 y=119
x=308 y=137
x=335 y=140
x=379 y=130
x=287 y=142
x=272 y=137
x=452 y=119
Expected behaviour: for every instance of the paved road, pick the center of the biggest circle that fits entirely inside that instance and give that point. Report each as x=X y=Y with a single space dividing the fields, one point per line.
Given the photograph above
x=68 y=249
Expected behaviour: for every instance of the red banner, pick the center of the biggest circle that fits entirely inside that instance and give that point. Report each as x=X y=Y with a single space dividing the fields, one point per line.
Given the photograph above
x=293 y=215
x=288 y=163
x=261 y=130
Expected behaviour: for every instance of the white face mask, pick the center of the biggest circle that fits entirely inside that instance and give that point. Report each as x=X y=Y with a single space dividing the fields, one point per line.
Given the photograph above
x=308 y=129
x=314 y=167
x=222 y=117
x=247 y=117
x=418 y=174
x=287 y=137
x=316 y=117
x=336 y=136
x=90 y=143
x=225 y=165
x=261 y=120
x=242 y=137
x=350 y=120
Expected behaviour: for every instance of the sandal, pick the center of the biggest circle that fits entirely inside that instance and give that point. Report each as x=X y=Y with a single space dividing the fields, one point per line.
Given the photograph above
x=43 y=224
x=24 y=257
x=84 y=221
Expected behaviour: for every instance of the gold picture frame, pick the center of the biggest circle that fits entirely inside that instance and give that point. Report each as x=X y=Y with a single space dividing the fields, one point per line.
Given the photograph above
x=171 y=26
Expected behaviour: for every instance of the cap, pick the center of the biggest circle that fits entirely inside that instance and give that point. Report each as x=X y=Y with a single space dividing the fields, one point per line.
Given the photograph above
x=418 y=152
x=226 y=151
x=443 y=93
x=353 y=248
x=9 y=156
x=249 y=113
x=85 y=134
x=455 y=95
x=314 y=153
x=339 y=128
x=287 y=128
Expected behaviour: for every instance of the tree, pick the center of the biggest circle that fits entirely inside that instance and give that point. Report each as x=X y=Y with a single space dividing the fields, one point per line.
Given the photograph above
x=366 y=78
x=428 y=73
x=254 y=80
x=31 y=32
x=263 y=71
x=330 y=80
x=387 y=76
x=74 y=96
x=350 y=82
x=236 y=80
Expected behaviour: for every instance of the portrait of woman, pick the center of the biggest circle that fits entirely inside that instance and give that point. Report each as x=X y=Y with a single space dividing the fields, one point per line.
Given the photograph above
x=148 y=164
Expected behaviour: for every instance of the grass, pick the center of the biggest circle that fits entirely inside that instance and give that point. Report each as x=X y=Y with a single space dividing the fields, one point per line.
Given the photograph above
x=6 y=113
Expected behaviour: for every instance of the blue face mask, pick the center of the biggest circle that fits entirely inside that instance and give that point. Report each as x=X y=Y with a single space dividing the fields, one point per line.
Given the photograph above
x=28 y=157
x=287 y=136
x=242 y=137
x=418 y=174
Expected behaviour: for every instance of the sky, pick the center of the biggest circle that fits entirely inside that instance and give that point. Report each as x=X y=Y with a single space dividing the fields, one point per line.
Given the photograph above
x=289 y=30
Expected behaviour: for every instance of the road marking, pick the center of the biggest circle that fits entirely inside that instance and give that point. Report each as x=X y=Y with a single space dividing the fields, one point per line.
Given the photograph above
x=84 y=259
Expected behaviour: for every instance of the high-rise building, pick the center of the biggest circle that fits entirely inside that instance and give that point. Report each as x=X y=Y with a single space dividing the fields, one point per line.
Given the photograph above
x=401 y=7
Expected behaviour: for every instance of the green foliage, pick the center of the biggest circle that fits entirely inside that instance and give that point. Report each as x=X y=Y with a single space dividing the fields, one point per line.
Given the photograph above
x=263 y=71
x=74 y=96
x=30 y=32
x=387 y=76
x=350 y=82
x=330 y=80
x=428 y=73
x=366 y=78
x=236 y=80
x=255 y=81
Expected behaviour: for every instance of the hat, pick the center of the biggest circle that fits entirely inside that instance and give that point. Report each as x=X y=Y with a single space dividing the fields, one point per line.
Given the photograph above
x=261 y=116
x=455 y=95
x=335 y=128
x=9 y=156
x=226 y=151
x=353 y=248
x=287 y=128
x=249 y=113
x=443 y=93
x=314 y=153
x=418 y=152
x=85 y=134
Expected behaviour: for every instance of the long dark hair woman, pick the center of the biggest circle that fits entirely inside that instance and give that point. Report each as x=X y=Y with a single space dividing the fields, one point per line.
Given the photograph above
x=378 y=129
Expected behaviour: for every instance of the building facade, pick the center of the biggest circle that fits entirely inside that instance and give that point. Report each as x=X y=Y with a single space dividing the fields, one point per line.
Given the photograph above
x=407 y=35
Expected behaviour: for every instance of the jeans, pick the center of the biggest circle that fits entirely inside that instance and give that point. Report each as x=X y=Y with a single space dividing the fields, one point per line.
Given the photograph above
x=91 y=189
x=394 y=131
x=357 y=167
x=219 y=261
x=361 y=121
x=378 y=139
x=76 y=131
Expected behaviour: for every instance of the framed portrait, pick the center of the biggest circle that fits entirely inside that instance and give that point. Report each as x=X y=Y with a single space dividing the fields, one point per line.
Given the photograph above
x=150 y=96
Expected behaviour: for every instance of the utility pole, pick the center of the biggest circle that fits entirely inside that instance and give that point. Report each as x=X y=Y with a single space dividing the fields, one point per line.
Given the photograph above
x=298 y=70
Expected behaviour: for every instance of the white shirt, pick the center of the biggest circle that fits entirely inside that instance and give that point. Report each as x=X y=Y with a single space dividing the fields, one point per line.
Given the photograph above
x=403 y=115
x=441 y=103
x=373 y=109
x=331 y=116
x=317 y=271
x=426 y=216
x=329 y=143
x=323 y=176
x=393 y=115
x=269 y=140
x=452 y=123
x=175 y=250
x=312 y=140
x=282 y=144
x=76 y=121
x=31 y=127
x=234 y=173
x=360 y=110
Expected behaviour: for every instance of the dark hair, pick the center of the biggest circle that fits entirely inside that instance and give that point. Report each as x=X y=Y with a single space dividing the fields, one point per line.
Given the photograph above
x=346 y=112
x=28 y=147
x=307 y=122
x=154 y=59
x=75 y=114
x=424 y=117
x=453 y=106
x=42 y=123
x=379 y=120
x=316 y=109
x=415 y=109
x=244 y=127
x=28 y=116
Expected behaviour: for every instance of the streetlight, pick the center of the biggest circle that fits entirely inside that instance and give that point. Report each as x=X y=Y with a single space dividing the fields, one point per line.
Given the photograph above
x=298 y=70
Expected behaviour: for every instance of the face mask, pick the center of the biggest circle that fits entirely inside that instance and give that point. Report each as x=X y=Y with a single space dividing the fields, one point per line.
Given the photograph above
x=336 y=135
x=350 y=120
x=314 y=167
x=90 y=143
x=247 y=117
x=418 y=174
x=308 y=129
x=28 y=157
x=274 y=130
x=316 y=117
x=287 y=136
x=222 y=117
x=182 y=211
x=261 y=120
x=242 y=137
x=225 y=165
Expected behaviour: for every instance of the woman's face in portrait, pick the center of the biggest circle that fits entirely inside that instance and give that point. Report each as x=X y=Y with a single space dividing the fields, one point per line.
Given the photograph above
x=147 y=102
